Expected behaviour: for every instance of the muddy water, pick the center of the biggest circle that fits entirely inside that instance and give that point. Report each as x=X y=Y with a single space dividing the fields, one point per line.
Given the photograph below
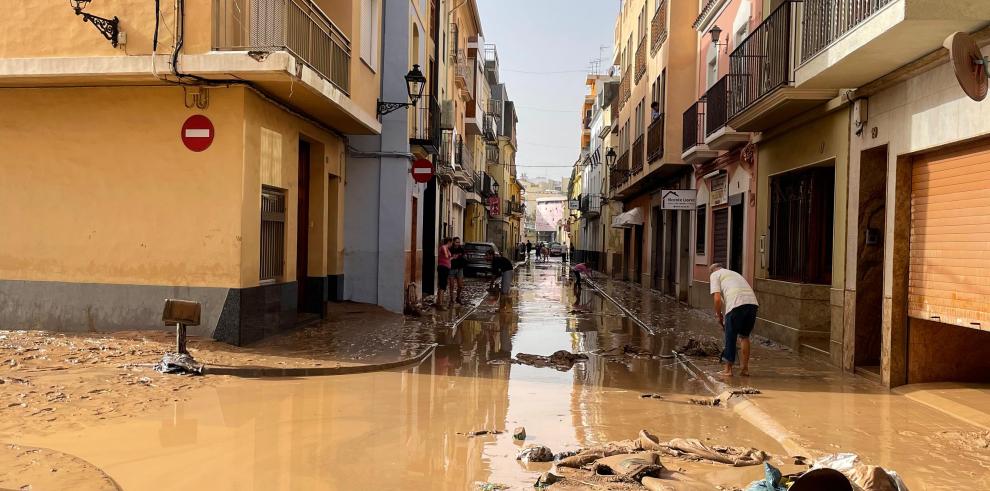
x=406 y=429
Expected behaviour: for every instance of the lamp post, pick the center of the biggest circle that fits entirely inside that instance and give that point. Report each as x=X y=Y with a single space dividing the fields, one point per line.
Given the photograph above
x=110 y=28
x=610 y=158
x=415 y=83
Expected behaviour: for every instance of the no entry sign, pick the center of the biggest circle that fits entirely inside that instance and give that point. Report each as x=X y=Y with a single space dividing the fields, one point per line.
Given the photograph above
x=422 y=171
x=197 y=133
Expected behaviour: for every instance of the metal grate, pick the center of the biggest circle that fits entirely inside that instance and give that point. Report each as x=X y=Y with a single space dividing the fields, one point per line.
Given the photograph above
x=694 y=125
x=659 y=27
x=654 y=139
x=272 y=234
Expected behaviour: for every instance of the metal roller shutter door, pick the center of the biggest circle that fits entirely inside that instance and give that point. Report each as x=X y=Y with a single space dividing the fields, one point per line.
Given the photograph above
x=720 y=236
x=949 y=272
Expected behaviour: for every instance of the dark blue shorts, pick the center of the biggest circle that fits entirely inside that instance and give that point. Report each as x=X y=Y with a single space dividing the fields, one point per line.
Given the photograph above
x=739 y=322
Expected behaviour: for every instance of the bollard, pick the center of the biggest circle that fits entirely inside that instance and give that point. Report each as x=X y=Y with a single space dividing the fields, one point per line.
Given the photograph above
x=181 y=313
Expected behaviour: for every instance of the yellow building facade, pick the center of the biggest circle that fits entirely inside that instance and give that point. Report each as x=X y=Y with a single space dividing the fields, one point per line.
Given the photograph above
x=251 y=227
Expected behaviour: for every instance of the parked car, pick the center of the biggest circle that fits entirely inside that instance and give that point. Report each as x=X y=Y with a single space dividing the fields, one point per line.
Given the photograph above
x=556 y=249
x=476 y=254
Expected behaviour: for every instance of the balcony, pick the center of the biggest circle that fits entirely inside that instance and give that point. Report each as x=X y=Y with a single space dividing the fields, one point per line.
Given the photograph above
x=641 y=59
x=848 y=43
x=658 y=27
x=620 y=174
x=424 y=130
x=492 y=154
x=762 y=93
x=637 y=156
x=591 y=206
x=718 y=134
x=444 y=161
x=299 y=27
x=488 y=129
x=625 y=91
x=654 y=140
x=515 y=208
x=464 y=72
x=695 y=150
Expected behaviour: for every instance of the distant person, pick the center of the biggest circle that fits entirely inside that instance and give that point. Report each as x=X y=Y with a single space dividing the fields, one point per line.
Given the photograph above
x=654 y=111
x=501 y=268
x=577 y=270
x=458 y=262
x=444 y=258
x=529 y=249
x=733 y=295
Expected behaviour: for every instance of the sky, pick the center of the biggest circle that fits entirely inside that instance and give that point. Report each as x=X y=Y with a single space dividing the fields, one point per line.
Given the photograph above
x=534 y=39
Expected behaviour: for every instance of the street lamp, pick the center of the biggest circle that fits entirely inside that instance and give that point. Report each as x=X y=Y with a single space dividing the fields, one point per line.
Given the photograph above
x=610 y=157
x=415 y=83
x=110 y=28
x=716 y=33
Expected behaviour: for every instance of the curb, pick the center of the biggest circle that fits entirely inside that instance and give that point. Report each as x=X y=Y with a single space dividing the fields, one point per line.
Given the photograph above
x=272 y=372
x=740 y=404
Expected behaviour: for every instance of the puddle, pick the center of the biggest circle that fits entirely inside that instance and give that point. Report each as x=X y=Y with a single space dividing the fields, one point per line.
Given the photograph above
x=400 y=430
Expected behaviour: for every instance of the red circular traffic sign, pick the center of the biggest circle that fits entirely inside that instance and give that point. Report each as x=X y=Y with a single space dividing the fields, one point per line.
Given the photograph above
x=422 y=171
x=197 y=133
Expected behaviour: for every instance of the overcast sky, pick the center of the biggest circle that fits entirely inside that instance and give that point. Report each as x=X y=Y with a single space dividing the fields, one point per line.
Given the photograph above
x=534 y=38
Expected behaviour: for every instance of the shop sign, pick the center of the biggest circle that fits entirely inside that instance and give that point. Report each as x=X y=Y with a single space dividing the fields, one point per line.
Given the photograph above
x=679 y=199
x=718 y=190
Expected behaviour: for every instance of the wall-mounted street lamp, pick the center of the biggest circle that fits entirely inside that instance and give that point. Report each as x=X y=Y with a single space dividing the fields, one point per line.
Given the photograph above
x=610 y=158
x=110 y=28
x=716 y=33
x=415 y=83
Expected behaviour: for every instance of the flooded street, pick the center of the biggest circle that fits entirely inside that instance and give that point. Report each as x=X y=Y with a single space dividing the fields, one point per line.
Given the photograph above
x=409 y=429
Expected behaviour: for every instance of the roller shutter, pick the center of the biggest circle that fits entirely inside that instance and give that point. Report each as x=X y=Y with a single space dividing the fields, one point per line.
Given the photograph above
x=720 y=236
x=949 y=272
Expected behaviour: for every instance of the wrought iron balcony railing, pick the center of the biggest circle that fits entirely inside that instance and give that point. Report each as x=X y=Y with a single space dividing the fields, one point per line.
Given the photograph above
x=825 y=21
x=637 y=155
x=654 y=139
x=658 y=29
x=694 y=125
x=718 y=104
x=761 y=62
x=424 y=129
x=297 y=26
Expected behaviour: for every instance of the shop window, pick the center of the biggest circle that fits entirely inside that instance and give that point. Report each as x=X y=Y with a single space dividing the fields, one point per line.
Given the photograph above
x=801 y=226
x=699 y=234
x=272 y=234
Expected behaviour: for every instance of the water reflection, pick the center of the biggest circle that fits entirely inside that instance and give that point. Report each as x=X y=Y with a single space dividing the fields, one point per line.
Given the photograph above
x=406 y=429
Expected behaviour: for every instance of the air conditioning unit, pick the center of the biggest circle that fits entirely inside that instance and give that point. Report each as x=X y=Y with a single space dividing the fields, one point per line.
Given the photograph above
x=447 y=120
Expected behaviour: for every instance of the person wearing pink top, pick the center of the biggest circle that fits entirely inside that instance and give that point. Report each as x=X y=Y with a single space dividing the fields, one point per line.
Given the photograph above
x=443 y=271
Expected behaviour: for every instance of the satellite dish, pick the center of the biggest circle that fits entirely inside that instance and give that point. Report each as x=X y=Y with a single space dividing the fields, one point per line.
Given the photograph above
x=969 y=64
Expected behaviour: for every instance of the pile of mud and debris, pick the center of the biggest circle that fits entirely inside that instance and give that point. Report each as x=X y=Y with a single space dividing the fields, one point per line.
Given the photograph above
x=649 y=463
x=562 y=360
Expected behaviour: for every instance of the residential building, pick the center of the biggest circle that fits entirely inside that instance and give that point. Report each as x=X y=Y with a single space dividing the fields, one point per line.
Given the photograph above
x=500 y=141
x=389 y=216
x=723 y=158
x=655 y=49
x=867 y=214
x=596 y=140
x=245 y=217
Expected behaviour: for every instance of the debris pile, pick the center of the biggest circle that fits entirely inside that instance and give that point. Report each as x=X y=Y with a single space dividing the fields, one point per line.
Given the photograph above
x=703 y=347
x=562 y=360
x=179 y=363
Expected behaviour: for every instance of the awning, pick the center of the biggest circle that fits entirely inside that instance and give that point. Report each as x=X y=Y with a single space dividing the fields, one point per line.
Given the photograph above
x=628 y=219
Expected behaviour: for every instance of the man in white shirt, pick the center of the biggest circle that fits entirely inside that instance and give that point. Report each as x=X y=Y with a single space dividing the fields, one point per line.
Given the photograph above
x=733 y=295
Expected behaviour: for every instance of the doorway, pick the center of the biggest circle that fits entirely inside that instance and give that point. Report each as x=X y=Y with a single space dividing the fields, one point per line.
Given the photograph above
x=302 y=229
x=413 y=224
x=670 y=253
x=869 y=261
x=657 y=223
x=736 y=220
x=638 y=261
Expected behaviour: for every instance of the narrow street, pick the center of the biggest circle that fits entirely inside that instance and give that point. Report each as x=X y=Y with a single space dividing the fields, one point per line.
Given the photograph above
x=408 y=429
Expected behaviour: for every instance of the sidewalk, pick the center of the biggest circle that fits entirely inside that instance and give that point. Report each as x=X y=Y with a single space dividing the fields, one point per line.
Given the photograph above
x=826 y=410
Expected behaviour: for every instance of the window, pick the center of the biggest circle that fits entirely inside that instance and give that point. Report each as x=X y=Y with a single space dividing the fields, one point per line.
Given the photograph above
x=272 y=234
x=711 y=69
x=700 y=227
x=640 y=115
x=369 y=33
x=661 y=95
x=642 y=22
x=800 y=226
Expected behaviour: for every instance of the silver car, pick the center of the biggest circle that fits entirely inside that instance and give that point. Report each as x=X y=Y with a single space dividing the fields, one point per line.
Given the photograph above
x=478 y=257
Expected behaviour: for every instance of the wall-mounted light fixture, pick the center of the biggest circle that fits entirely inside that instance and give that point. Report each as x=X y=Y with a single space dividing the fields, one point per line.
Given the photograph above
x=415 y=83
x=716 y=33
x=110 y=28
